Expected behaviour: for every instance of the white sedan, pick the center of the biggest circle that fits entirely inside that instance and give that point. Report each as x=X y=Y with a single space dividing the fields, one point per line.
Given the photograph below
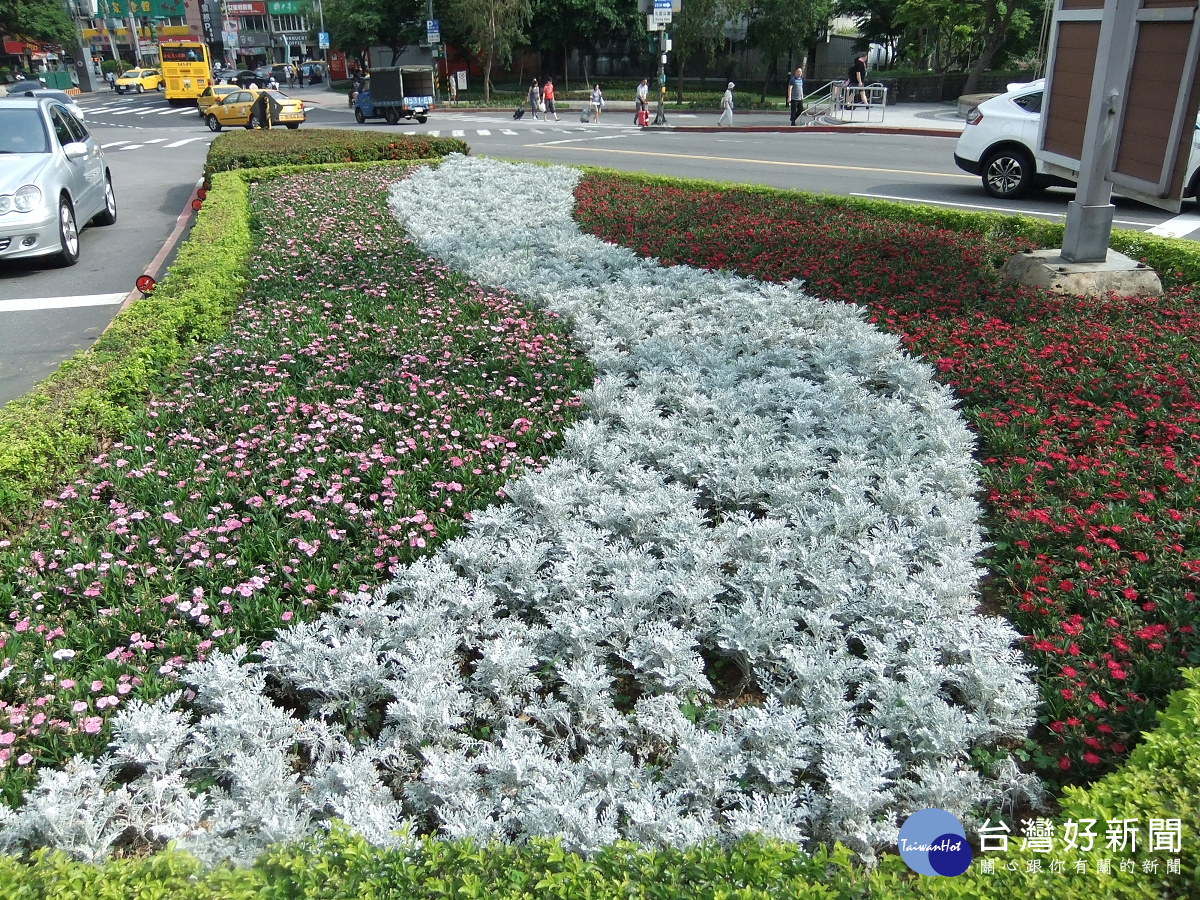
x=53 y=180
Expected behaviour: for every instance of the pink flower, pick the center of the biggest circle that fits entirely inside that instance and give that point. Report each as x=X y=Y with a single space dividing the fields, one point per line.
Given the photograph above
x=24 y=759
x=78 y=706
x=287 y=616
x=91 y=725
x=7 y=738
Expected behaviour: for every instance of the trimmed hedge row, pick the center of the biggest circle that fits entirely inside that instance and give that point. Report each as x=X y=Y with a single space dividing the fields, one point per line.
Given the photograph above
x=279 y=146
x=1160 y=779
x=66 y=418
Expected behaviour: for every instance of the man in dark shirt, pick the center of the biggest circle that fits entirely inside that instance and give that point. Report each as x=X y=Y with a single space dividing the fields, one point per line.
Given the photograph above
x=858 y=78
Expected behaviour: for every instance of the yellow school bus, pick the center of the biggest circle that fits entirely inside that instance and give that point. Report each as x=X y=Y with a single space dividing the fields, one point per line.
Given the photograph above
x=185 y=68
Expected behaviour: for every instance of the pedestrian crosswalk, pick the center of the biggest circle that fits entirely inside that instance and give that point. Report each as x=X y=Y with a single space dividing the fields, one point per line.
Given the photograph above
x=119 y=146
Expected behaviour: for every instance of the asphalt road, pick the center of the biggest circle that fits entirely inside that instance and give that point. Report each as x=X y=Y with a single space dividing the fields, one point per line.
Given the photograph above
x=156 y=153
x=911 y=168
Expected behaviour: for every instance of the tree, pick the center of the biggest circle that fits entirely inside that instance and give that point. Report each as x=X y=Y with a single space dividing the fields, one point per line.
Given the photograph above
x=786 y=28
x=877 y=22
x=492 y=28
x=357 y=25
x=979 y=28
x=698 y=30
x=37 y=20
x=568 y=25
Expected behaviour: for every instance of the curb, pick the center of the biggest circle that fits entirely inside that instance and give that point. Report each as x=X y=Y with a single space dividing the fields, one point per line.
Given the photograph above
x=808 y=129
x=153 y=269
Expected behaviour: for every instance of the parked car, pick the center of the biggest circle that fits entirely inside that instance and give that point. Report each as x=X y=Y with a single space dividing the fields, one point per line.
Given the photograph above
x=140 y=80
x=223 y=75
x=53 y=180
x=1001 y=135
x=211 y=95
x=17 y=90
x=245 y=78
x=263 y=72
x=238 y=109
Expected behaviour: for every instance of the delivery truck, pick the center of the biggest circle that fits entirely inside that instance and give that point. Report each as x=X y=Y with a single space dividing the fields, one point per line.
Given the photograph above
x=396 y=92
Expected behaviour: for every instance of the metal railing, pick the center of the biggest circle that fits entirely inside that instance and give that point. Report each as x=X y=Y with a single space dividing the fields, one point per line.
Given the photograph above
x=839 y=102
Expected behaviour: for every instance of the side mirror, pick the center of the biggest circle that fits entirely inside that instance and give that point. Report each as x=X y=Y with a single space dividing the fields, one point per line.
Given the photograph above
x=75 y=150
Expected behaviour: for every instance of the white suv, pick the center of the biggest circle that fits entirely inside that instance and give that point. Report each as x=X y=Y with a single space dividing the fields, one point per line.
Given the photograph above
x=999 y=141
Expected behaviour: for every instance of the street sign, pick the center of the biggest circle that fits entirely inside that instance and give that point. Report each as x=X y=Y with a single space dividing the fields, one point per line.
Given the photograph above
x=433 y=31
x=662 y=12
x=322 y=40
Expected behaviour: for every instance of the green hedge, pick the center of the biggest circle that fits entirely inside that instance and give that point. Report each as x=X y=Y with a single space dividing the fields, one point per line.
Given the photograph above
x=1161 y=779
x=280 y=146
x=46 y=433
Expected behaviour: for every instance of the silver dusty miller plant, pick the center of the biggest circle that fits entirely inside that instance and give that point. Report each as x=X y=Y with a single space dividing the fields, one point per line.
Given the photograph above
x=741 y=599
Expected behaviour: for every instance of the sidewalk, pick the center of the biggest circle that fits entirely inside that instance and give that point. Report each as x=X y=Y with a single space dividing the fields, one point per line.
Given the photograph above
x=931 y=119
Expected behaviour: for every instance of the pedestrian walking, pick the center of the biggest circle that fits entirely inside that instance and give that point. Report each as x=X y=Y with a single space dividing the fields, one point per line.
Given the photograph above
x=535 y=99
x=453 y=83
x=727 y=106
x=111 y=79
x=291 y=75
x=597 y=102
x=639 y=101
x=857 y=78
x=548 y=99
x=795 y=94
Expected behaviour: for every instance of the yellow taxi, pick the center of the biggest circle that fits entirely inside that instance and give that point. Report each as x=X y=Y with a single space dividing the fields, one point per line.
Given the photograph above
x=214 y=93
x=140 y=80
x=238 y=108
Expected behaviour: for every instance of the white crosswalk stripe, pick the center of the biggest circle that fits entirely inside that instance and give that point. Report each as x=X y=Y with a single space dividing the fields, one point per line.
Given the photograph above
x=482 y=132
x=458 y=133
x=507 y=131
x=134 y=147
x=184 y=141
x=434 y=133
x=123 y=112
x=172 y=112
x=156 y=141
x=112 y=144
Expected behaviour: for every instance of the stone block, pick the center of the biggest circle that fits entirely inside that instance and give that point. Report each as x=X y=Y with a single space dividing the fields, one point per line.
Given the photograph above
x=1118 y=274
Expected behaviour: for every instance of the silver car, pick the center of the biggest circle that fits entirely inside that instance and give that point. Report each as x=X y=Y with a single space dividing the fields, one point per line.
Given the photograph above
x=53 y=180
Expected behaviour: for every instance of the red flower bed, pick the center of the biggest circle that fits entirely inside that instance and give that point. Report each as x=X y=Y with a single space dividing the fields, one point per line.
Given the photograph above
x=1088 y=416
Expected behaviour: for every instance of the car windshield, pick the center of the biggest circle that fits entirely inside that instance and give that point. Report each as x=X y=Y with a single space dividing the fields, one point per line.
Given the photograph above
x=22 y=131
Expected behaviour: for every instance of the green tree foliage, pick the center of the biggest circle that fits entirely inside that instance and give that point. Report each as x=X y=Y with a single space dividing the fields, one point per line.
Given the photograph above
x=698 y=31
x=979 y=27
x=877 y=22
x=491 y=30
x=786 y=29
x=560 y=26
x=36 y=20
x=356 y=25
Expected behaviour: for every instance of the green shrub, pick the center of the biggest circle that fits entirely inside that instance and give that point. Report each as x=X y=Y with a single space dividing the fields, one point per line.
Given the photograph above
x=280 y=146
x=46 y=433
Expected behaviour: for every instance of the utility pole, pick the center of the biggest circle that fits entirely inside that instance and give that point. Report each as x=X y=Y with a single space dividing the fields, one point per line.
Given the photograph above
x=83 y=58
x=658 y=20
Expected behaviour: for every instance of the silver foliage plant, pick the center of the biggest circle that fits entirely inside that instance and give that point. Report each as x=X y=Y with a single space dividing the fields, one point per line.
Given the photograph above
x=741 y=599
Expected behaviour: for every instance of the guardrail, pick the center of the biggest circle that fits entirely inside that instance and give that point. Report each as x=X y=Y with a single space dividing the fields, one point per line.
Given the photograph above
x=840 y=102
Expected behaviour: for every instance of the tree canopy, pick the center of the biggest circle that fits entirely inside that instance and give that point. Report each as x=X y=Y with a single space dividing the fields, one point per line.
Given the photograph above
x=37 y=20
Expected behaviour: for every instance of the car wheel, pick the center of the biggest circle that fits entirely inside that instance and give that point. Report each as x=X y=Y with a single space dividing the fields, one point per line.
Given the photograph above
x=293 y=125
x=160 y=87
x=421 y=120
x=68 y=234
x=254 y=122
x=1008 y=174
x=214 y=124
x=108 y=215
x=359 y=117
x=140 y=89
x=391 y=116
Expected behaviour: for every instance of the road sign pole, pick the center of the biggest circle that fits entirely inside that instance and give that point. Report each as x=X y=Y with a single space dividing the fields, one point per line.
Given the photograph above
x=660 y=117
x=1090 y=214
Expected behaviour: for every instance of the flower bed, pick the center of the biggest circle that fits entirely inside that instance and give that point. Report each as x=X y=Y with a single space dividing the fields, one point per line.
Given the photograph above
x=1087 y=415
x=740 y=600
x=365 y=399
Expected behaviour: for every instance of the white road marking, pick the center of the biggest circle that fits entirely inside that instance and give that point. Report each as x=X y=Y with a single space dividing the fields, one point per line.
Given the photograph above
x=171 y=112
x=112 y=144
x=434 y=133
x=184 y=141
x=134 y=147
x=979 y=208
x=483 y=132
x=458 y=134
x=507 y=131
x=148 y=112
x=1178 y=226
x=123 y=112
x=32 y=303
x=155 y=141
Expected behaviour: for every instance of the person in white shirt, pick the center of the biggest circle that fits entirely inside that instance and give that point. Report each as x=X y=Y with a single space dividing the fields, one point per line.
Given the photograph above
x=727 y=107
x=643 y=94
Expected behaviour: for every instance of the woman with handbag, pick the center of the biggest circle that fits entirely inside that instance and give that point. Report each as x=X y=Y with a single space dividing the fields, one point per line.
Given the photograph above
x=535 y=99
x=548 y=100
x=597 y=102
